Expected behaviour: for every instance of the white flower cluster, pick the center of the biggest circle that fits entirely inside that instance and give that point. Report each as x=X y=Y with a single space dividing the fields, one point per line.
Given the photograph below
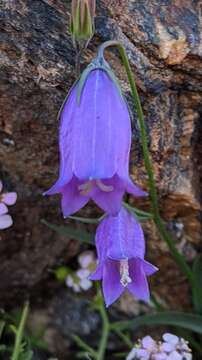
x=79 y=280
x=170 y=348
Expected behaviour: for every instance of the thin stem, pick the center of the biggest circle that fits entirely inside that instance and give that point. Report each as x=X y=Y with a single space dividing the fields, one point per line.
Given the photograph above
x=20 y=332
x=105 y=330
x=85 y=346
x=148 y=164
x=124 y=337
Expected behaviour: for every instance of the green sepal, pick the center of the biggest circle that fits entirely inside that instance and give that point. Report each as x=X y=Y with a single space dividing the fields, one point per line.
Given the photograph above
x=97 y=63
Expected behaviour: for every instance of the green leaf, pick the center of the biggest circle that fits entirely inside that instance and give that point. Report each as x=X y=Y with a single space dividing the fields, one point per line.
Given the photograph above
x=2 y=326
x=86 y=220
x=68 y=231
x=190 y=321
x=197 y=289
x=140 y=214
x=28 y=355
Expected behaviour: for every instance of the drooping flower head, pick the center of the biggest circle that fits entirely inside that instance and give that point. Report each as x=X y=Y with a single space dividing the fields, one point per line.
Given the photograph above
x=95 y=141
x=121 y=248
x=7 y=198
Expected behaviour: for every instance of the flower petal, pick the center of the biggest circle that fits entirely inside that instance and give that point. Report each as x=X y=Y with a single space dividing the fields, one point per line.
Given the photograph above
x=72 y=200
x=9 y=198
x=125 y=236
x=139 y=286
x=134 y=189
x=97 y=274
x=175 y=356
x=3 y=209
x=111 y=201
x=149 y=269
x=103 y=128
x=5 y=221
x=148 y=343
x=171 y=338
x=112 y=287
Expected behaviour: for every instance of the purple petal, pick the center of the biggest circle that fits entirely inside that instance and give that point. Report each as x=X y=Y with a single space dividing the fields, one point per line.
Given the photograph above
x=125 y=236
x=149 y=269
x=103 y=128
x=72 y=200
x=142 y=354
x=139 y=286
x=101 y=240
x=175 y=356
x=9 y=198
x=171 y=338
x=112 y=287
x=3 y=209
x=134 y=189
x=160 y=356
x=97 y=274
x=5 y=221
x=167 y=347
x=111 y=201
x=148 y=343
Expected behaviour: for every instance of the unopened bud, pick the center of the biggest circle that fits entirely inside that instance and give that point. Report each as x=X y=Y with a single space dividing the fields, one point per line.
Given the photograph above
x=82 y=19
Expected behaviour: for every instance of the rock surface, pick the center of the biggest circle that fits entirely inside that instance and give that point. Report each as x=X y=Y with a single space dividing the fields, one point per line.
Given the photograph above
x=163 y=42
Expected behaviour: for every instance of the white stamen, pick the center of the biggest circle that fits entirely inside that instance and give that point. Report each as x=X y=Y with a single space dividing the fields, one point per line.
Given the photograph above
x=103 y=187
x=85 y=188
x=124 y=272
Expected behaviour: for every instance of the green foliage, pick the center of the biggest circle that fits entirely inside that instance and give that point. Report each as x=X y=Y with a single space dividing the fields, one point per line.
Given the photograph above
x=70 y=232
x=197 y=289
x=187 y=321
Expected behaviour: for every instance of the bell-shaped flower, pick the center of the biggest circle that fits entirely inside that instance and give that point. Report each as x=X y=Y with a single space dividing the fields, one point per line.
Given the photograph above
x=94 y=141
x=120 y=248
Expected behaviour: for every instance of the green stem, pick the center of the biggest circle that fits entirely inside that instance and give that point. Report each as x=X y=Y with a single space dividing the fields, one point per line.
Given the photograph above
x=124 y=337
x=105 y=330
x=85 y=346
x=20 y=332
x=148 y=164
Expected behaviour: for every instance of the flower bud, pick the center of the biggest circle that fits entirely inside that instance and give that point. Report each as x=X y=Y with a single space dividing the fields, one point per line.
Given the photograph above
x=82 y=19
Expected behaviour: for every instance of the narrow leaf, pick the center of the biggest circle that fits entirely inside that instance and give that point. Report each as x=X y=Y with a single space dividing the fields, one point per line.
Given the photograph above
x=86 y=220
x=190 y=321
x=70 y=232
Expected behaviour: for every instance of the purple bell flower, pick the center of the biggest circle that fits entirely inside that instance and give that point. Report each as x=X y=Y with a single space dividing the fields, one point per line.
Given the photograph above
x=95 y=141
x=121 y=248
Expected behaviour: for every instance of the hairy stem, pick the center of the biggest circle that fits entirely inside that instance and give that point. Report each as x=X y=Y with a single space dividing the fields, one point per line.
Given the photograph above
x=165 y=235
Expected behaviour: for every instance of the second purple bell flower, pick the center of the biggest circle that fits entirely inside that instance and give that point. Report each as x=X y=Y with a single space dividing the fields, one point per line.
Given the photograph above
x=120 y=248
x=95 y=141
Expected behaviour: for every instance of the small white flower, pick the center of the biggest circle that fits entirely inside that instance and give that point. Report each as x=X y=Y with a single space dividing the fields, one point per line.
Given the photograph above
x=170 y=338
x=86 y=259
x=174 y=355
x=83 y=273
x=86 y=284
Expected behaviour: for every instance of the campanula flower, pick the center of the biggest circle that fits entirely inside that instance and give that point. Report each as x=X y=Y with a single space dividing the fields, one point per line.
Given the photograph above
x=121 y=248
x=7 y=198
x=95 y=141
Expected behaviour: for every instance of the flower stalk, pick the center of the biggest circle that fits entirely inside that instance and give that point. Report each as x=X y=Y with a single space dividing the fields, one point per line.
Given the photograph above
x=165 y=235
x=105 y=330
